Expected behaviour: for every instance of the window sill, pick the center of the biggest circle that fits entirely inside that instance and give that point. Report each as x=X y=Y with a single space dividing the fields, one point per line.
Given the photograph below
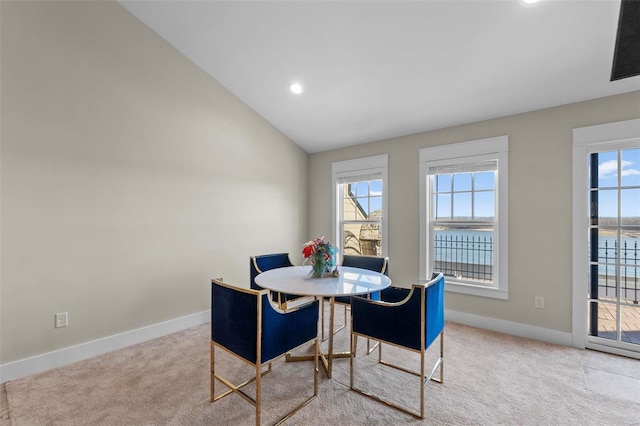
x=476 y=290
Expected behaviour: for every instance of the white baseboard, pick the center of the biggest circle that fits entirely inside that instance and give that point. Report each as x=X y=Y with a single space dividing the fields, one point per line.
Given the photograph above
x=25 y=367
x=58 y=358
x=513 y=328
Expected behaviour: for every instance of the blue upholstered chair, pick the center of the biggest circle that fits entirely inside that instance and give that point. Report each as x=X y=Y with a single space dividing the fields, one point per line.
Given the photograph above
x=245 y=324
x=265 y=262
x=413 y=323
x=372 y=263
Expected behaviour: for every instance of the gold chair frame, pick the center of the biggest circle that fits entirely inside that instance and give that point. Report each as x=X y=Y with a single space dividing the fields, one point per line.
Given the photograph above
x=424 y=379
x=346 y=308
x=258 y=365
x=282 y=304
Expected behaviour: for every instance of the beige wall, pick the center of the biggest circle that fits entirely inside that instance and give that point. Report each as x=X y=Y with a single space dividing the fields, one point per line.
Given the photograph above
x=129 y=178
x=540 y=149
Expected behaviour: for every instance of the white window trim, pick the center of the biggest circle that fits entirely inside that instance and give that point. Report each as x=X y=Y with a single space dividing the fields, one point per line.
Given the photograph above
x=355 y=167
x=498 y=147
x=587 y=140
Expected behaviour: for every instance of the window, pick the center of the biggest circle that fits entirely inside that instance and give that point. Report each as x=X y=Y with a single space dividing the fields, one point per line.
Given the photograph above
x=360 y=205
x=464 y=215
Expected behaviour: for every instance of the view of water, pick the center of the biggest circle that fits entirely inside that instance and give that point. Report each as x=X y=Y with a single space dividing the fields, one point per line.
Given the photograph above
x=464 y=246
x=473 y=246
x=629 y=256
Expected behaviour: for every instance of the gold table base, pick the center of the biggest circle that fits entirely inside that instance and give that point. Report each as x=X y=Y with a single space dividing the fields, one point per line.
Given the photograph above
x=327 y=359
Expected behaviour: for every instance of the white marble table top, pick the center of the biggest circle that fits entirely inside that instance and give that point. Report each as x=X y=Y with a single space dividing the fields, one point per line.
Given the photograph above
x=297 y=280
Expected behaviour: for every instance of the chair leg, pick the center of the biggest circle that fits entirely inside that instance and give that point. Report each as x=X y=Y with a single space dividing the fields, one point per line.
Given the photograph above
x=421 y=376
x=315 y=366
x=371 y=348
x=352 y=345
x=345 y=315
x=422 y=383
x=280 y=302
x=442 y=356
x=213 y=371
x=258 y=396
x=316 y=350
x=322 y=318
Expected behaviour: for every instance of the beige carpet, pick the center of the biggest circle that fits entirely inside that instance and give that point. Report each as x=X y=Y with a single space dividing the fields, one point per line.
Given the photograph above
x=490 y=379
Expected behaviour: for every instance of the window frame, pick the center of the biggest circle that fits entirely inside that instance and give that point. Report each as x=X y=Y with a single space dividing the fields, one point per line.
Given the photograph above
x=377 y=164
x=476 y=151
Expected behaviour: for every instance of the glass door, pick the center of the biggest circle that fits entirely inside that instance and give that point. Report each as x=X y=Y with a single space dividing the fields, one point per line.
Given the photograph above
x=614 y=249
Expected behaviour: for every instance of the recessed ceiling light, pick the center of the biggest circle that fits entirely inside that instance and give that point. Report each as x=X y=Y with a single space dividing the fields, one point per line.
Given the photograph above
x=530 y=1
x=296 y=88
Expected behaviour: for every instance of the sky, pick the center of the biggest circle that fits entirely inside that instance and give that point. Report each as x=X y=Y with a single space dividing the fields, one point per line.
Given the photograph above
x=459 y=186
x=628 y=168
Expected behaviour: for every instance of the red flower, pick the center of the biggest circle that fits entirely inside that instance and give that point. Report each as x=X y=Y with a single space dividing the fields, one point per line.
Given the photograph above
x=308 y=250
x=318 y=245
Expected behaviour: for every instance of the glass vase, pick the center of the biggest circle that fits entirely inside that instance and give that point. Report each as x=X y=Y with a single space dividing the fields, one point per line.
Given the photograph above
x=319 y=265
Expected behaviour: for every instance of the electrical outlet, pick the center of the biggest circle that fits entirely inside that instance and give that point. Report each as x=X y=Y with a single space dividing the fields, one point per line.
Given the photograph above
x=539 y=302
x=62 y=319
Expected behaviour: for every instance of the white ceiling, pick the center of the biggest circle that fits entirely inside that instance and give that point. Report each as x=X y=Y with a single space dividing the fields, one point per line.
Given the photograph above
x=374 y=70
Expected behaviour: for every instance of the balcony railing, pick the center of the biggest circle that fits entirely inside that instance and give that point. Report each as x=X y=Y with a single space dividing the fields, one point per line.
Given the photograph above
x=464 y=256
x=629 y=268
x=471 y=257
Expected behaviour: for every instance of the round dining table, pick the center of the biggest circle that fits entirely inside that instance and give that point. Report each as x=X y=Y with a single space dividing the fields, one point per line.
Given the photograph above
x=297 y=280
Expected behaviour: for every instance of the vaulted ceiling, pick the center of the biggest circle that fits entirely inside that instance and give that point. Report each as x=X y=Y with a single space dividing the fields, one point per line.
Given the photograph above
x=372 y=70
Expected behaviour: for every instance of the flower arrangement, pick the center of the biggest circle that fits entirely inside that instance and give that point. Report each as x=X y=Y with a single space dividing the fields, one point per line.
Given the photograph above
x=322 y=255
